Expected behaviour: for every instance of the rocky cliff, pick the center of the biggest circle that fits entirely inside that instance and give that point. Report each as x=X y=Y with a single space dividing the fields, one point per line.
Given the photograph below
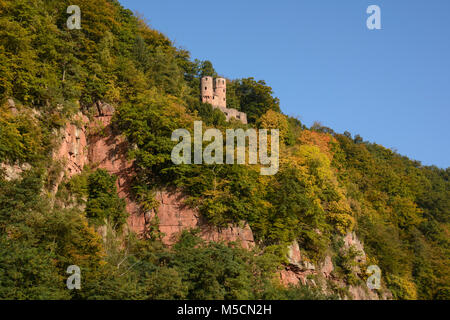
x=94 y=142
x=301 y=270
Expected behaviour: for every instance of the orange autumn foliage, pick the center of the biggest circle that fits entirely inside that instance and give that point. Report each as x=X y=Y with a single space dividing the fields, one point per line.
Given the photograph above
x=321 y=140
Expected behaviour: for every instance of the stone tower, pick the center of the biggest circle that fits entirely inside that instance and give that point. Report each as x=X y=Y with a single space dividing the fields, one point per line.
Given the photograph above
x=207 y=90
x=220 y=93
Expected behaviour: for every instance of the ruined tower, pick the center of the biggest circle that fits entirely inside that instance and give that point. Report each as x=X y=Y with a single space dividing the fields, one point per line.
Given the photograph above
x=207 y=90
x=217 y=97
x=220 y=96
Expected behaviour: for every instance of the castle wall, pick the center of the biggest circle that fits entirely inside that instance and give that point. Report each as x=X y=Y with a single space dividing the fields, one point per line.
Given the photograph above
x=234 y=114
x=242 y=116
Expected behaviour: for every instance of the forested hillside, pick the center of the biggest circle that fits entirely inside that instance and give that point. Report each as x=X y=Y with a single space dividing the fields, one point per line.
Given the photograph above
x=328 y=185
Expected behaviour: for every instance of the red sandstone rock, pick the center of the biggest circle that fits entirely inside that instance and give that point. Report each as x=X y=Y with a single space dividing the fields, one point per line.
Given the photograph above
x=109 y=151
x=174 y=217
x=294 y=254
x=326 y=267
x=361 y=293
x=288 y=277
x=72 y=149
x=350 y=240
x=104 y=109
x=94 y=142
x=242 y=235
x=12 y=172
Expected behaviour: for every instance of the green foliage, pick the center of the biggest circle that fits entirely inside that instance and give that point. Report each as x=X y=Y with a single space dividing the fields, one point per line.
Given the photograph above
x=27 y=272
x=20 y=137
x=275 y=120
x=328 y=184
x=38 y=243
x=397 y=222
x=292 y=209
x=103 y=203
x=210 y=116
x=207 y=69
x=198 y=270
x=252 y=97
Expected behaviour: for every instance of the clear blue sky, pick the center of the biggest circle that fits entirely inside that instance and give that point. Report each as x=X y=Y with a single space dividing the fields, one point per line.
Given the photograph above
x=391 y=86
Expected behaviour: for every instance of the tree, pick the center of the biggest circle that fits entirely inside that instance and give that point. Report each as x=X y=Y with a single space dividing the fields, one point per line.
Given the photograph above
x=255 y=97
x=207 y=69
x=104 y=205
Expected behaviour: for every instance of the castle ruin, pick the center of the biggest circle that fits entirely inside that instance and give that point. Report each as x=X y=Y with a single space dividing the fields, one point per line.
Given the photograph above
x=217 y=97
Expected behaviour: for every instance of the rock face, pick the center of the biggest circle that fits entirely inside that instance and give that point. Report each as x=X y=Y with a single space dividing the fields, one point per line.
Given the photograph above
x=351 y=241
x=299 y=267
x=109 y=150
x=289 y=277
x=94 y=142
x=296 y=259
x=300 y=270
x=241 y=234
x=12 y=106
x=294 y=255
x=361 y=293
x=12 y=172
x=326 y=267
x=73 y=148
x=174 y=217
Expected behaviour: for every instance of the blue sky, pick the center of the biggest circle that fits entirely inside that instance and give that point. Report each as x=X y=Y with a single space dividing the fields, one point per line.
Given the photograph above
x=391 y=86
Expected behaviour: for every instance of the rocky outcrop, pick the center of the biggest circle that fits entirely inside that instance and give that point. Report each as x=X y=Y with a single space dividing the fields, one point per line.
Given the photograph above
x=12 y=106
x=352 y=241
x=175 y=216
x=290 y=277
x=13 y=172
x=298 y=268
x=361 y=293
x=93 y=142
x=72 y=150
x=326 y=267
x=297 y=260
x=240 y=233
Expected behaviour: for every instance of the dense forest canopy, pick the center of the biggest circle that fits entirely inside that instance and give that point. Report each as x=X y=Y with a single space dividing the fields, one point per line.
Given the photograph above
x=329 y=184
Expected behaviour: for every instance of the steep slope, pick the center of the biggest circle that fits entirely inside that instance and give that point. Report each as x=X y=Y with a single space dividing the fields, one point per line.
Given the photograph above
x=86 y=119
